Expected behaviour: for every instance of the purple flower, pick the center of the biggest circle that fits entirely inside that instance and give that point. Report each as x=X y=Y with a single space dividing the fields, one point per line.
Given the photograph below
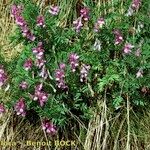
x=59 y=74
x=38 y=51
x=37 y=92
x=139 y=73
x=99 y=24
x=40 y=63
x=60 y=79
x=23 y=85
x=25 y=30
x=2 y=108
x=38 y=87
x=118 y=37
x=136 y=4
x=3 y=76
x=43 y=97
x=40 y=95
x=20 y=107
x=127 y=48
x=28 y=64
x=54 y=10
x=84 y=72
x=16 y=10
x=30 y=36
x=49 y=127
x=62 y=66
x=85 y=13
x=20 y=21
x=40 y=21
x=74 y=61
x=27 y=33
x=16 y=13
x=78 y=24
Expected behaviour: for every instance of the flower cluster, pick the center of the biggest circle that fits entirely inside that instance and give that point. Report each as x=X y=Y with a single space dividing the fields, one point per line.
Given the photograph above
x=28 y=64
x=84 y=12
x=136 y=4
x=3 y=76
x=40 y=21
x=54 y=10
x=60 y=77
x=40 y=95
x=84 y=15
x=49 y=127
x=84 y=72
x=23 y=85
x=78 y=24
x=2 y=108
x=127 y=48
x=27 y=33
x=62 y=66
x=40 y=61
x=99 y=24
x=20 y=107
x=38 y=51
x=118 y=37
x=73 y=61
x=16 y=12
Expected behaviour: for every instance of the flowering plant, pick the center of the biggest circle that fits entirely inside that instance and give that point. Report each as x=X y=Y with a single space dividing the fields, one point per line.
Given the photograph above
x=63 y=71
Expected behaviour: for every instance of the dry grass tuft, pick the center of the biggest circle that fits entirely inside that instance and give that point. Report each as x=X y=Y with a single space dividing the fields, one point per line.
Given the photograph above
x=125 y=130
